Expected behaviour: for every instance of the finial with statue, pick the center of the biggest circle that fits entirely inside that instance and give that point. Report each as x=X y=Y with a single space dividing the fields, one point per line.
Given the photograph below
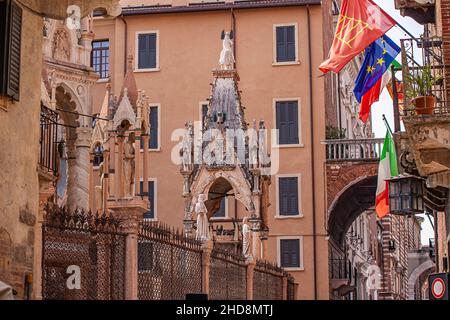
x=226 y=60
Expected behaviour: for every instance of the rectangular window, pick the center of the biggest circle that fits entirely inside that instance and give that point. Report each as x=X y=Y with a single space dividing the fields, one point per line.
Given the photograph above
x=100 y=58
x=290 y=253
x=147 y=51
x=287 y=122
x=285 y=44
x=154 y=126
x=288 y=196
x=10 y=48
x=151 y=198
x=221 y=212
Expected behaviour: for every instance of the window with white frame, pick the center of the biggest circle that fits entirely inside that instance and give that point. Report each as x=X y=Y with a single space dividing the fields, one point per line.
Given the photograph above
x=285 y=38
x=288 y=195
x=290 y=253
x=287 y=119
x=147 y=50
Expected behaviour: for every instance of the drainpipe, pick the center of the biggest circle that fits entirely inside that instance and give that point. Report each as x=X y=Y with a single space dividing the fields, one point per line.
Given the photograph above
x=125 y=47
x=313 y=180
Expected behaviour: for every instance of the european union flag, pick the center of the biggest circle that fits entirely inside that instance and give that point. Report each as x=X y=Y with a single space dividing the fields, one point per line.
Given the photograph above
x=378 y=57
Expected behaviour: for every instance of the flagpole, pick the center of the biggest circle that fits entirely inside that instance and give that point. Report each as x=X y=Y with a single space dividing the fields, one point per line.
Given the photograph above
x=387 y=125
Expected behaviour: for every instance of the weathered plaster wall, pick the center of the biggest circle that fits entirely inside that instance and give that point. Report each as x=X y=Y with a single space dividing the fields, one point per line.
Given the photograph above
x=19 y=141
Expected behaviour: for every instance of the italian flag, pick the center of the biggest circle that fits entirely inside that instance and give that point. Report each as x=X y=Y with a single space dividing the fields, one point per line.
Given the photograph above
x=386 y=170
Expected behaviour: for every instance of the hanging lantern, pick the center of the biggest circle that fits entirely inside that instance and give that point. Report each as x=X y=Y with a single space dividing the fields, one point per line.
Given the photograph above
x=406 y=195
x=264 y=234
x=255 y=223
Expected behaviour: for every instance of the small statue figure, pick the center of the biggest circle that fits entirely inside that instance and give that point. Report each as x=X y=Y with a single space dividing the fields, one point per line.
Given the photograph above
x=99 y=190
x=202 y=219
x=226 y=60
x=186 y=150
x=129 y=165
x=246 y=237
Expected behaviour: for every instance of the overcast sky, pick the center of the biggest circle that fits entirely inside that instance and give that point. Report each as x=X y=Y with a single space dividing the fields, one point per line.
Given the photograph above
x=384 y=106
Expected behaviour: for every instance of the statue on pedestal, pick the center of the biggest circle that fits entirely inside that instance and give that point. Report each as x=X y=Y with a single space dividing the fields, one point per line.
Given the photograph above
x=246 y=238
x=202 y=219
x=226 y=60
x=129 y=165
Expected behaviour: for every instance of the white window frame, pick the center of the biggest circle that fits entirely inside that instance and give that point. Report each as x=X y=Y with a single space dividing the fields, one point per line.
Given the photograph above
x=226 y=212
x=300 y=251
x=155 y=105
x=274 y=137
x=136 y=67
x=155 y=200
x=299 y=197
x=286 y=63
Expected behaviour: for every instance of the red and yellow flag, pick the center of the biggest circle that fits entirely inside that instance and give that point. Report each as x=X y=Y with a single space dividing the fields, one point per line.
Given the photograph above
x=360 y=23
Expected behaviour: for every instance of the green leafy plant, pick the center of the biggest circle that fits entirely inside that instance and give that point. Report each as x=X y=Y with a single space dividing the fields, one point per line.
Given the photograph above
x=421 y=83
x=333 y=133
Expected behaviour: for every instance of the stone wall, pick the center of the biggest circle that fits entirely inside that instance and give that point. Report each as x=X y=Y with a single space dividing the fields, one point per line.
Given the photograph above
x=19 y=138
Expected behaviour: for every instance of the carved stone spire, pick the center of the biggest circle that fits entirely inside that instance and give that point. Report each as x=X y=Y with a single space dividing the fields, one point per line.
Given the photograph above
x=130 y=83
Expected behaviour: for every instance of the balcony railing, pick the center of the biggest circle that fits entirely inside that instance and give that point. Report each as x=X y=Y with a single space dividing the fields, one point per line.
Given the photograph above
x=48 y=141
x=354 y=149
x=423 y=71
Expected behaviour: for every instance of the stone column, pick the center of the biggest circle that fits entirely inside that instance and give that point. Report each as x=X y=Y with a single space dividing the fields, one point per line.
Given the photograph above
x=145 y=164
x=137 y=160
x=91 y=184
x=250 y=275
x=46 y=191
x=206 y=265
x=105 y=186
x=113 y=166
x=78 y=189
x=119 y=169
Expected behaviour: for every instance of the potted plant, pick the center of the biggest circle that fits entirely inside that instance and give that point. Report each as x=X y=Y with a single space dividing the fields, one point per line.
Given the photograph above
x=419 y=90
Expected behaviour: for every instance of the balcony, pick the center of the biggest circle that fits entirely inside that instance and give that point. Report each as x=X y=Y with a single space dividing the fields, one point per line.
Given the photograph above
x=348 y=150
x=424 y=107
x=423 y=11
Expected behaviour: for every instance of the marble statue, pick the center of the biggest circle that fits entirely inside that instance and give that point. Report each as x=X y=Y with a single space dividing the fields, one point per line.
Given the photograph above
x=246 y=238
x=202 y=219
x=186 y=150
x=129 y=165
x=226 y=60
x=100 y=189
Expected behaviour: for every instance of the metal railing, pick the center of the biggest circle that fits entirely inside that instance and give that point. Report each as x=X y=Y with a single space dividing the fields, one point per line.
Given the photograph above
x=423 y=72
x=353 y=149
x=48 y=142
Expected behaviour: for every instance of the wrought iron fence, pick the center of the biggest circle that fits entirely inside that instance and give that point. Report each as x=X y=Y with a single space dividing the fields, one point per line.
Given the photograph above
x=267 y=281
x=227 y=276
x=424 y=71
x=353 y=149
x=291 y=288
x=169 y=264
x=48 y=141
x=83 y=256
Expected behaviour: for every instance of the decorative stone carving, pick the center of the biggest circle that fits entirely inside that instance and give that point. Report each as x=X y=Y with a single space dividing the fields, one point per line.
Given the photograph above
x=61 y=45
x=202 y=219
x=129 y=165
x=124 y=113
x=226 y=60
x=246 y=238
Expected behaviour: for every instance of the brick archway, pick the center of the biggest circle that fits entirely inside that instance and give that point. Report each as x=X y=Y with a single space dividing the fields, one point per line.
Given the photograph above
x=351 y=189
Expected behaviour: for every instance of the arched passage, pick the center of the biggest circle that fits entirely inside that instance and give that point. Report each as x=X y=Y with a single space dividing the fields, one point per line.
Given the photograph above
x=415 y=275
x=352 y=201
